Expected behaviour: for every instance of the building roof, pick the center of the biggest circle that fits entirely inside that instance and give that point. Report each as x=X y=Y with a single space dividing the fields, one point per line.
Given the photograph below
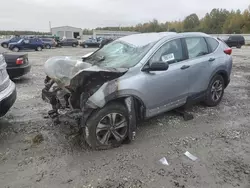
x=66 y=26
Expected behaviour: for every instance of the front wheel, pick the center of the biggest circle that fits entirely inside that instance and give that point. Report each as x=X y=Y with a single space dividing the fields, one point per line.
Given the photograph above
x=215 y=91
x=107 y=127
x=16 y=49
x=39 y=48
x=74 y=45
x=5 y=45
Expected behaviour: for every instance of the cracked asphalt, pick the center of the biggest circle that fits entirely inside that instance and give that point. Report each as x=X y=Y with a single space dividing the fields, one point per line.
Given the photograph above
x=35 y=153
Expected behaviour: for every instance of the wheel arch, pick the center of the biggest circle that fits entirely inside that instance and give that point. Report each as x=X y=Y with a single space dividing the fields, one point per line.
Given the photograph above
x=223 y=73
x=140 y=107
x=225 y=76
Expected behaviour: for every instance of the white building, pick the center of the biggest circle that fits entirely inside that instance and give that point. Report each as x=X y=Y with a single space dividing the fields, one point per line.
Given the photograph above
x=67 y=31
x=111 y=34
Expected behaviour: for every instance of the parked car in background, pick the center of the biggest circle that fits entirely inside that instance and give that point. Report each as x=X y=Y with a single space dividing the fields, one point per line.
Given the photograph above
x=48 y=42
x=105 y=41
x=68 y=42
x=17 y=63
x=7 y=89
x=91 y=43
x=5 y=44
x=134 y=78
x=235 y=41
x=27 y=44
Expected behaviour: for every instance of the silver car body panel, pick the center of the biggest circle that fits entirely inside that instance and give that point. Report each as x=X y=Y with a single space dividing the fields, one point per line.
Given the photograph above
x=6 y=85
x=160 y=91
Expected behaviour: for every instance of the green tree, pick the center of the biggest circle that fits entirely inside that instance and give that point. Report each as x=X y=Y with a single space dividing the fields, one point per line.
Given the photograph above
x=191 y=22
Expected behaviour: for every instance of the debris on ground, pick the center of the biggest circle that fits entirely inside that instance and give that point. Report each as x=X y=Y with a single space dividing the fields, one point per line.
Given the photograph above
x=164 y=161
x=38 y=139
x=190 y=156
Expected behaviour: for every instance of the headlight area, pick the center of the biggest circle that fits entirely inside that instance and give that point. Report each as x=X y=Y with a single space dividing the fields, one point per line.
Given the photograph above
x=53 y=94
x=60 y=100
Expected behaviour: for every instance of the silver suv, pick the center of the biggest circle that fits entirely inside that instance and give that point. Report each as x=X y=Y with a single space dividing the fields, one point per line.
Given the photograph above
x=134 y=78
x=7 y=89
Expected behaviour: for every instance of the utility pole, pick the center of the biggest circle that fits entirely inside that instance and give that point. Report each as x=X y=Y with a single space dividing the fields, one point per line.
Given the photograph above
x=50 y=27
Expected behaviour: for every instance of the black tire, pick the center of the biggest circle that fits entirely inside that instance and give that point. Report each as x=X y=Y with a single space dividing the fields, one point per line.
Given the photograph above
x=39 y=48
x=238 y=46
x=74 y=45
x=48 y=46
x=4 y=45
x=214 y=96
x=95 y=139
x=15 y=49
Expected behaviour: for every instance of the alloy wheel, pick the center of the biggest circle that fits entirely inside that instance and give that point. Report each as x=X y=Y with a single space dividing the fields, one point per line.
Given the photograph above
x=112 y=127
x=217 y=90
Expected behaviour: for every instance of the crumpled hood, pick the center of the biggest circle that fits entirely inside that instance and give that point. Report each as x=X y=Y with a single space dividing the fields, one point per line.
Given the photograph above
x=63 y=69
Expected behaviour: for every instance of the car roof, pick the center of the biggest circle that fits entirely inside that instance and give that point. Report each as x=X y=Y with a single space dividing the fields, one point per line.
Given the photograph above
x=144 y=39
x=194 y=34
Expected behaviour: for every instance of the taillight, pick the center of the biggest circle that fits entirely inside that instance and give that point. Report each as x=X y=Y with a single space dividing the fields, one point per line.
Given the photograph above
x=228 y=51
x=19 y=61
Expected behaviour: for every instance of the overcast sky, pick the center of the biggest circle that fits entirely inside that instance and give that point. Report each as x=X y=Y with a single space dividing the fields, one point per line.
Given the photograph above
x=36 y=14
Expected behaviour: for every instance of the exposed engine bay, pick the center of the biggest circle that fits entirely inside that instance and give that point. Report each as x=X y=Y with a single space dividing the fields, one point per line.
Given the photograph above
x=73 y=86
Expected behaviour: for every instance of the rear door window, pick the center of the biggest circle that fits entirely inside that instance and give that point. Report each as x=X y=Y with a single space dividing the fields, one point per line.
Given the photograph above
x=196 y=47
x=213 y=44
x=234 y=38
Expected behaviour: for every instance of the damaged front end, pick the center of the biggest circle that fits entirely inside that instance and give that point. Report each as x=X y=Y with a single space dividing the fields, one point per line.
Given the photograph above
x=75 y=88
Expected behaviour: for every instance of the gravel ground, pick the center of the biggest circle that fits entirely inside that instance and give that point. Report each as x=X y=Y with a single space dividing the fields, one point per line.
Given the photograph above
x=36 y=153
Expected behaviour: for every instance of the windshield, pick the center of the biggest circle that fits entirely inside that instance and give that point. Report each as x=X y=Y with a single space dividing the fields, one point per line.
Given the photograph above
x=118 y=54
x=20 y=41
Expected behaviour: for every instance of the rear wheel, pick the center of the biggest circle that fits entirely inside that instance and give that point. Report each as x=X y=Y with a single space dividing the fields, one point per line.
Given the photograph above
x=74 y=45
x=16 y=49
x=39 y=48
x=47 y=46
x=85 y=46
x=107 y=127
x=238 y=46
x=215 y=91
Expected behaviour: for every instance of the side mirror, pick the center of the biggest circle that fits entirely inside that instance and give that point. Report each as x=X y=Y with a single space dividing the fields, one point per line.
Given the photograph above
x=157 y=66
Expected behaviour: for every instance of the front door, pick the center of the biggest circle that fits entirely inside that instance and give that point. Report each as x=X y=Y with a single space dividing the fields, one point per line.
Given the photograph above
x=168 y=89
x=26 y=44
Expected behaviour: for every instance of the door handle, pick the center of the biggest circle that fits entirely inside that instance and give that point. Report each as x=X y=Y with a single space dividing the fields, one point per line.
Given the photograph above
x=185 y=67
x=211 y=59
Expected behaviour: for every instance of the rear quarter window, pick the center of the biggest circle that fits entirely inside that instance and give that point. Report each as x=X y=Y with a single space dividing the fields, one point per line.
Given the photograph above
x=212 y=43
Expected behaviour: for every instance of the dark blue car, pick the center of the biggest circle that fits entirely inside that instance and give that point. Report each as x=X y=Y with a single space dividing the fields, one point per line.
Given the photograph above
x=5 y=44
x=27 y=44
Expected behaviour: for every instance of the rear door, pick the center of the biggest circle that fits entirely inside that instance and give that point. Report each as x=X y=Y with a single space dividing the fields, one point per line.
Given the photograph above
x=202 y=60
x=233 y=41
